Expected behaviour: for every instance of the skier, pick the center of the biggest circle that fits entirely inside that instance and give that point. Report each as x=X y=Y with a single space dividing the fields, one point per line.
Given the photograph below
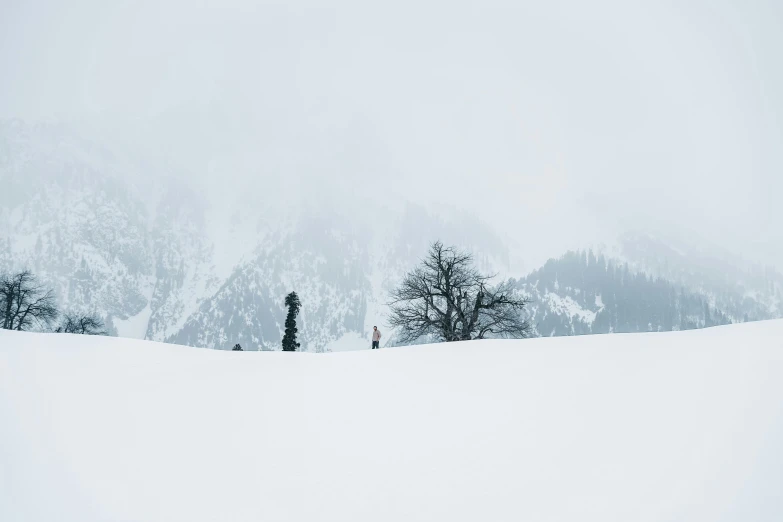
x=376 y=337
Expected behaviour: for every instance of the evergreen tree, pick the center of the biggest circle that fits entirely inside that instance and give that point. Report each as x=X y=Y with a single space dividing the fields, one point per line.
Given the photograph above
x=289 y=339
x=236 y=348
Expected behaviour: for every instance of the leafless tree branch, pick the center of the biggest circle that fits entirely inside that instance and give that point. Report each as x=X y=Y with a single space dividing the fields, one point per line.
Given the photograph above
x=446 y=297
x=90 y=324
x=24 y=303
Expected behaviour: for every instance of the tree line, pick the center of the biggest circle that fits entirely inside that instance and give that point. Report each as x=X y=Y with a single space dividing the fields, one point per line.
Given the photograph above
x=26 y=304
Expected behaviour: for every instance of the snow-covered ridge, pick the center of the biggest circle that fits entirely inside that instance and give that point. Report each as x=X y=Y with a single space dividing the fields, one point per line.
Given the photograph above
x=673 y=426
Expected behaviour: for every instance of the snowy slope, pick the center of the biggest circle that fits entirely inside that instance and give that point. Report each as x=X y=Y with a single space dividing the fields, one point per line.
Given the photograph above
x=642 y=427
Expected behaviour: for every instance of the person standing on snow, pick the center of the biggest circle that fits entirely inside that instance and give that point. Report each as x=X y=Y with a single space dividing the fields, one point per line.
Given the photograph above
x=376 y=337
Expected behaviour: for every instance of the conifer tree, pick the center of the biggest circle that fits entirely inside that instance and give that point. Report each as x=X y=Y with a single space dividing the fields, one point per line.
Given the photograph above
x=289 y=339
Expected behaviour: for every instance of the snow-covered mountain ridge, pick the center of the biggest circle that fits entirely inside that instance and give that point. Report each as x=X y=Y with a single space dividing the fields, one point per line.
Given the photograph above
x=581 y=293
x=161 y=263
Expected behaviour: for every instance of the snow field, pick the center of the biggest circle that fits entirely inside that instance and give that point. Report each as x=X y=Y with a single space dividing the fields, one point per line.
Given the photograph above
x=647 y=427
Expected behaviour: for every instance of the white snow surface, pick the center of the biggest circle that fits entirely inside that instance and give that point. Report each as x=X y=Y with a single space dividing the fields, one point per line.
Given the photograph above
x=136 y=326
x=567 y=306
x=642 y=427
x=349 y=342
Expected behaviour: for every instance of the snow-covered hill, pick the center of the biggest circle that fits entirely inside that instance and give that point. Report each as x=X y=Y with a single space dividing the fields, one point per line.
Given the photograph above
x=643 y=427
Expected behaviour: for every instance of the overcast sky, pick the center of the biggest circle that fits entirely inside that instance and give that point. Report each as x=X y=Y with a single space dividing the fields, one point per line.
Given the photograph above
x=564 y=120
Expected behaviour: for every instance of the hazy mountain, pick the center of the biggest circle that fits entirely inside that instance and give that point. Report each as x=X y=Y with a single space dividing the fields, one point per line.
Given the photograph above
x=745 y=290
x=581 y=293
x=157 y=261
x=127 y=246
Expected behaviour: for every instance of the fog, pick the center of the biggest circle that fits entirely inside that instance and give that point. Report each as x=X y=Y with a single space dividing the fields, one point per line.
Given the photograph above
x=559 y=123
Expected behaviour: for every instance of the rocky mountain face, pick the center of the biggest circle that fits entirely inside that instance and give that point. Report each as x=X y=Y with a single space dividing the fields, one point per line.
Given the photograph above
x=106 y=239
x=329 y=273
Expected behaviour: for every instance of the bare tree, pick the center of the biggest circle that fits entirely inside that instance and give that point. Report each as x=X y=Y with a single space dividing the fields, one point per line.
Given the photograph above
x=24 y=303
x=90 y=324
x=446 y=297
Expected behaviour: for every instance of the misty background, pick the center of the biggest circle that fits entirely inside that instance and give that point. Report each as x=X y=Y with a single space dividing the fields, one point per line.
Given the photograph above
x=531 y=128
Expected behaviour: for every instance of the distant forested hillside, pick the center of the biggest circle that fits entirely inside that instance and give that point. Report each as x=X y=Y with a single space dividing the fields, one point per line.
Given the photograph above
x=581 y=293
